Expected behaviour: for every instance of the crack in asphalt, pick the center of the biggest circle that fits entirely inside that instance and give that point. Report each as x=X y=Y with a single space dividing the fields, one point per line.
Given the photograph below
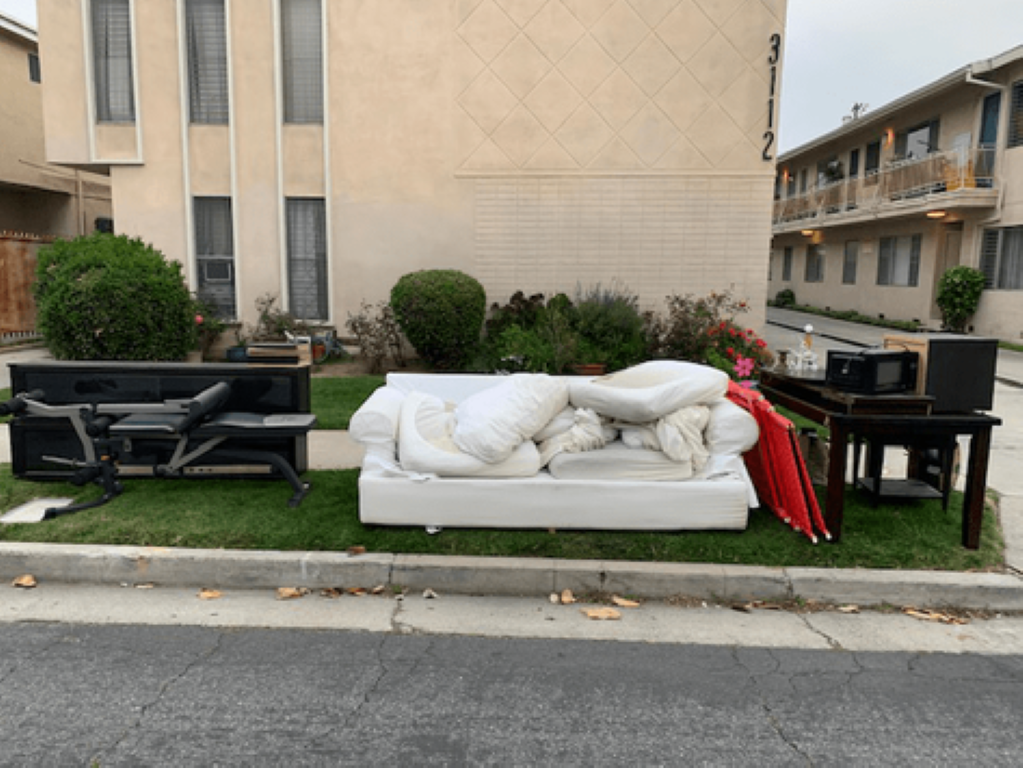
x=776 y=724
x=144 y=708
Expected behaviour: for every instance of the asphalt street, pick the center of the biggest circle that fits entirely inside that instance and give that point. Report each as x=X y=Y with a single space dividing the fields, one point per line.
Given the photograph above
x=110 y=696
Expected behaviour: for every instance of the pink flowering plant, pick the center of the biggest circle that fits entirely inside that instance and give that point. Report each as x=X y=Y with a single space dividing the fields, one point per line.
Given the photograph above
x=704 y=330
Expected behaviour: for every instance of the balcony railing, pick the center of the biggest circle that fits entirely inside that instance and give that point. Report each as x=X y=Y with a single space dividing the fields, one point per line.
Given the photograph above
x=937 y=174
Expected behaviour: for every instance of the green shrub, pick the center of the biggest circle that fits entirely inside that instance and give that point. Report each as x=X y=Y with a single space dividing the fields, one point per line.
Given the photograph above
x=786 y=297
x=959 y=291
x=441 y=313
x=610 y=327
x=107 y=297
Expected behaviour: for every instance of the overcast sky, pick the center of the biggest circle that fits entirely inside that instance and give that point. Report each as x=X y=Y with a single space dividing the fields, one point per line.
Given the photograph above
x=840 y=52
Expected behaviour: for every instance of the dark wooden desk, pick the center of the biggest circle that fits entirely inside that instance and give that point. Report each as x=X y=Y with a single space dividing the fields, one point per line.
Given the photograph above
x=885 y=420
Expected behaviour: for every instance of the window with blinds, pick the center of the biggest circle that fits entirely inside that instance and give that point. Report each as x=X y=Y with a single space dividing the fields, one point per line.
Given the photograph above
x=214 y=254
x=814 y=271
x=1001 y=258
x=307 y=258
x=851 y=257
x=206 y=33
x=111 y=61
x=302 y=61
x=1016 y=115
x=898 y=261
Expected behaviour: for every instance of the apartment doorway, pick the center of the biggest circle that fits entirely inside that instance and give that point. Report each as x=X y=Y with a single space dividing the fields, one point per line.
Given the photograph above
x=950 y=243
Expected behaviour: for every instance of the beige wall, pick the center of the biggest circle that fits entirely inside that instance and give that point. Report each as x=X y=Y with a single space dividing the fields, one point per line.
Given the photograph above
x=536 y=145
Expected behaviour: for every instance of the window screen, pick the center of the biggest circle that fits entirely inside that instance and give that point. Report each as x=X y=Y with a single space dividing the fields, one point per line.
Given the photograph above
x=1016 y=115
x=302 y=52
x=814 y=271
x=34 y=74
x=111 y=61
x=214 y=254
x=307 y=258
x=206 y=31
x=852 y=253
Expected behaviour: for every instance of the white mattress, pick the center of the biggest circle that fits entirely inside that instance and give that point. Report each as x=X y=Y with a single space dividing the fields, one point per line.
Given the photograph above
x=544 y=502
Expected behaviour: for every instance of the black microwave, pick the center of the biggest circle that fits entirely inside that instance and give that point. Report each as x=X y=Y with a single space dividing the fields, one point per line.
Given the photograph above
x=872 y=371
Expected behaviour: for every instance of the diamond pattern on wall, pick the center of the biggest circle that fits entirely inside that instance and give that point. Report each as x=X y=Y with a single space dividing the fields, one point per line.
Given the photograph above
x=614 y=85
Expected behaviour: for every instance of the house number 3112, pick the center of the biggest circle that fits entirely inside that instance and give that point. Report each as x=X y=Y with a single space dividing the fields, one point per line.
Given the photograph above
x=772 y=59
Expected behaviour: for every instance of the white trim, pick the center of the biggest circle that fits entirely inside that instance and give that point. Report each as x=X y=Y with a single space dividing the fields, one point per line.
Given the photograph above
x=327 y=185
x=186 y=165
x=285 y=296
x=18 y=28
x=90 y=80
x=139 y=154
x=233 y=142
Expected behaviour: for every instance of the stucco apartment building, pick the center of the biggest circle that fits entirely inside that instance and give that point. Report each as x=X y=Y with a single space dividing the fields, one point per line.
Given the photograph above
x=320 y=149
x=869 y=216
x=37 y=198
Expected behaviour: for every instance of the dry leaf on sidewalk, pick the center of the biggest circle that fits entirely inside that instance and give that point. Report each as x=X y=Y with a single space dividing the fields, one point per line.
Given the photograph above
x=429 y=594
x=848 y=609
x=209 y=594
x=291 y=593
x=567 y=598
x=357 y=591
x=929 y=615
x=331 y=592
x=601 y=614
x=378 y=589
x=622 y=602
x=28 y=581
x=356 y=550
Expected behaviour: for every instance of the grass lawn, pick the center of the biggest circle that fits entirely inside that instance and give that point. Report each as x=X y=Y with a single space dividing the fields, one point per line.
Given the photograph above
x=253 y=514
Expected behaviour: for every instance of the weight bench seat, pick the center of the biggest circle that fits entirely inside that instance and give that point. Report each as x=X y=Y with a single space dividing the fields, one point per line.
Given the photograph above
x=230 y=424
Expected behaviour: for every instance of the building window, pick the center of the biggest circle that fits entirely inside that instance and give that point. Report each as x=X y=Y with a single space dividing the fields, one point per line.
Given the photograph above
x=302 y=52
x=786 y=264
x=214 y=254
x=872 y=161
x=854 y=163
x=1016 y=115
x=898 y=261
x=34 y=73
x=917 y=142
x=852 y=255
x=111 y=61
x=814 y=272
x=1001 y=258
x=307 y=258
x=206 y=32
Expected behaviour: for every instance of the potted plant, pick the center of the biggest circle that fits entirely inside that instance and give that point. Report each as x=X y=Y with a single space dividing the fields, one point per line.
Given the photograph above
x=238 y=353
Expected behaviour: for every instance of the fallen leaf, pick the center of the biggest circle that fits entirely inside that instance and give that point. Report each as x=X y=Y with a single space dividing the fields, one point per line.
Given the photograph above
x=332 y=592
x=848 y=609
x=429 y=594
x=567 y=598
x=356 y=550
x=144 y=586
x=601 y=614
x=378 y=590
x=767 y=606
x=622 y=602
x=209 y=594
x=555 y=598
x=929 y=615
x=28 y=581
x=741 y=608
x=291 y=593
x=357 y=591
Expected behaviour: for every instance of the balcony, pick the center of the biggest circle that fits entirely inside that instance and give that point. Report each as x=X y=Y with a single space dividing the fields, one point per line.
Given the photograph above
x=947 y=180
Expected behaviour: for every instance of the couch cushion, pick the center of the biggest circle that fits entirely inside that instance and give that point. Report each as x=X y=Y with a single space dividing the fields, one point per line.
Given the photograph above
x=651 y=390
x=425 y=444
x=490 y=424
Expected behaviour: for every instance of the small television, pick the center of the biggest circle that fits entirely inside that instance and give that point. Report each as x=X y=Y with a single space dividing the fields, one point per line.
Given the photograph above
x=872 y=371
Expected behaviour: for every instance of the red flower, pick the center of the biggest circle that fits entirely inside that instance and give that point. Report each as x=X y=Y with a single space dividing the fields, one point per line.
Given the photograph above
x=761 y=343
x=731 y=352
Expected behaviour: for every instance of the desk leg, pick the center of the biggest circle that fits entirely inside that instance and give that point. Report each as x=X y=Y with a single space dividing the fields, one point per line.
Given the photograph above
x=976 y=485
x=837 y=457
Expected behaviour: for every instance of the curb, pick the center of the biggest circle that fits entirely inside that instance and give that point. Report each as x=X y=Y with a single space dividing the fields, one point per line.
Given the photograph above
x=236 y=569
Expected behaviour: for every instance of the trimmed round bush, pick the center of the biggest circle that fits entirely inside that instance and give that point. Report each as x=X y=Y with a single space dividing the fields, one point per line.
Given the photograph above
x=959 y=291
x=441 y=312
x=107 y=297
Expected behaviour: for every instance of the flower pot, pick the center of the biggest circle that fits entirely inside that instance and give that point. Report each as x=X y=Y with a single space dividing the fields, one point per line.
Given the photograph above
x=590 y=369
x=237 y=355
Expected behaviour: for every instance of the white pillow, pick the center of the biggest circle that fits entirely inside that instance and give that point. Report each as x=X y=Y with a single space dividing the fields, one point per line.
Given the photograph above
x=425 y=444
x=490 y=424
x=649 y=391
x=376 y=421
x=563 y=421
x=731 y=428
x=616 y=461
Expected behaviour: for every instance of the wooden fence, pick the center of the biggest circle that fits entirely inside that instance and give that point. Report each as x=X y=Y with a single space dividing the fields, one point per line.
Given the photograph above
x=17 y=273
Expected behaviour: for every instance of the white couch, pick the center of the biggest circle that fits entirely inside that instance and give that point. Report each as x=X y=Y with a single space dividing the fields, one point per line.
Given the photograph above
x=416 y=424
